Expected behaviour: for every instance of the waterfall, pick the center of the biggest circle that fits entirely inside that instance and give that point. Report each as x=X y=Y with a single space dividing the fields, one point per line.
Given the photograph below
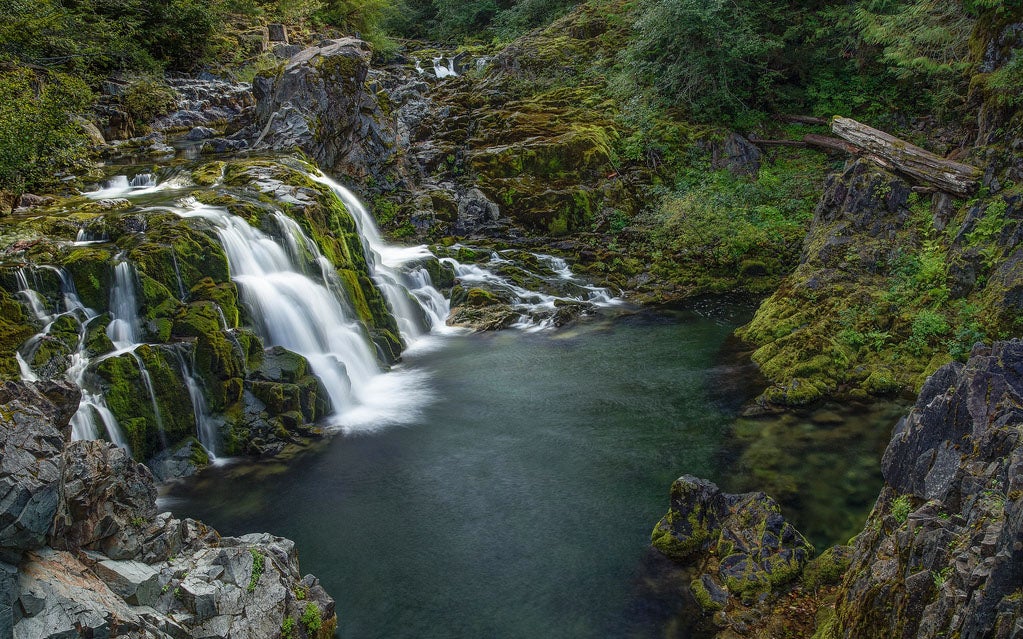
x=309 y=316
x=442 y=70
x=123 y=329
x=205 y=426
x=385 y=264
x=92 y=404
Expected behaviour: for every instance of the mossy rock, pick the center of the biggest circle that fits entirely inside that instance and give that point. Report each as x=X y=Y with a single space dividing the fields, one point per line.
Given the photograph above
x=50 y=358
x=223 y=294
x=882 y=382
x=252 y=348
x=828 y=568
x=193 y=320
x=96 y=340
x=208 y=174
x=15 y=328
x=798 y=392
x=91 y=271
x=127 y=396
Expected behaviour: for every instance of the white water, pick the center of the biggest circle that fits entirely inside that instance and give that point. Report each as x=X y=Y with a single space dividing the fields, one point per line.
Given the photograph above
x=140 y=184
x=92 y=404
x=305 y=315
x=442 y=70
x=297 y=301
x=387 y=264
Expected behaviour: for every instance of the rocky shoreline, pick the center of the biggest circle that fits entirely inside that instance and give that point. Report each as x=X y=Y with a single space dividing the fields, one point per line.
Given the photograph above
x=84 y=552
x=941 y=553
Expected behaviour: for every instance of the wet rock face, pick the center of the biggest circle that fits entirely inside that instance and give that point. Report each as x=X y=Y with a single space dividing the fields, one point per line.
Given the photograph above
x=942 y=552
x=741 y=544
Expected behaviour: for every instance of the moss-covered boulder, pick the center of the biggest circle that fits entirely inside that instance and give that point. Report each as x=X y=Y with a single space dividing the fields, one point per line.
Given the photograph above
x=741 y=545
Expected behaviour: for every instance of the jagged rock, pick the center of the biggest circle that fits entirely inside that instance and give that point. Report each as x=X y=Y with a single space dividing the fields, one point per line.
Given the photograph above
x=106 y=499
x=59 y=596
x=942 y=551
x=741 y=543
x=277 y=33
x=200 y=133
x=33 y=431
x=319 y=103
x=133 y=581
x=737 y=154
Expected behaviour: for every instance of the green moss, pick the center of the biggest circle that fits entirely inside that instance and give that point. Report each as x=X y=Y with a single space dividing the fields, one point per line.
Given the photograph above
x=14 y=330
x=92 y=274
x=128 y=398
x=208 y=174
x=224 y=295
x=827 y=569
x=702 y=596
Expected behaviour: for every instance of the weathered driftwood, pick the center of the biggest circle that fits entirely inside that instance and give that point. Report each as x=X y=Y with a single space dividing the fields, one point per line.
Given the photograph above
x=899 y=155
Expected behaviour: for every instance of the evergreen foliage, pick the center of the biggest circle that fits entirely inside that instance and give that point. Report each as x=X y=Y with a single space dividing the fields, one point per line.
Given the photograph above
x=39 y=140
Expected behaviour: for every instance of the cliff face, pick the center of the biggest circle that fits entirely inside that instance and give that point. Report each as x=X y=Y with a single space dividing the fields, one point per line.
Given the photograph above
x=83 y=551
x=941 y=554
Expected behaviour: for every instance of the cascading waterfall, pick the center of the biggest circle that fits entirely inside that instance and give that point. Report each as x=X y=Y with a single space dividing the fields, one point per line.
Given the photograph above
x=385 y=263
x=92 y=404
x=205 y=424
x=442 y=70
x=123 y=329
x=297 y=300
x=308 y=316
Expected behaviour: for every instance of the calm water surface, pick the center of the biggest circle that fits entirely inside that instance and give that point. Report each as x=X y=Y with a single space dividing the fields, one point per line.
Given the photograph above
x=520 y=501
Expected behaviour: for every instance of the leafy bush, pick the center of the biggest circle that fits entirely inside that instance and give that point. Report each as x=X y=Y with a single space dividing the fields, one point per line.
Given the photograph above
x=39 y=138
x=145 y=100
x=311 y=618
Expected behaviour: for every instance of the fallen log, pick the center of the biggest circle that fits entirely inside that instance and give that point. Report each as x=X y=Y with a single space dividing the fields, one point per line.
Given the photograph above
x=813 y=140
x=801 y=119
x=899 y=155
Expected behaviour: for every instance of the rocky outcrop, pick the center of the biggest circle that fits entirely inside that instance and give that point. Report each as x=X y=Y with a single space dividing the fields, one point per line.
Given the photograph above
x=941 y=554
x=319 y=103
x=741 y=549
x=83 y=552
x=880 y=298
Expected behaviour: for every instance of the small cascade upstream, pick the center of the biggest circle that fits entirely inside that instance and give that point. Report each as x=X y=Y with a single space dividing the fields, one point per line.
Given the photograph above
x=442 y=70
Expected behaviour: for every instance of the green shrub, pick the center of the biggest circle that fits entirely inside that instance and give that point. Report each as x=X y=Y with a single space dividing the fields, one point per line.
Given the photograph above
x=258 y=566
x=311 y=618
x=145 y=100
x=39 y=138
x=901 y=508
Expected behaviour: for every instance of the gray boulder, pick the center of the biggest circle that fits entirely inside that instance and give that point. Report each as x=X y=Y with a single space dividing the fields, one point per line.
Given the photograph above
x=106 y=500
x=33 y=431
x=740 y=544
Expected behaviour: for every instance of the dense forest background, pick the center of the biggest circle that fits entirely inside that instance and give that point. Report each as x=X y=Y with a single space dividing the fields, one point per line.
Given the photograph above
x=729 y=63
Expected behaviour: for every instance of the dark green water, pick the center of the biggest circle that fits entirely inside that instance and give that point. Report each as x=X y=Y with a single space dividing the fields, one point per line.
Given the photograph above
x=520 y=502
